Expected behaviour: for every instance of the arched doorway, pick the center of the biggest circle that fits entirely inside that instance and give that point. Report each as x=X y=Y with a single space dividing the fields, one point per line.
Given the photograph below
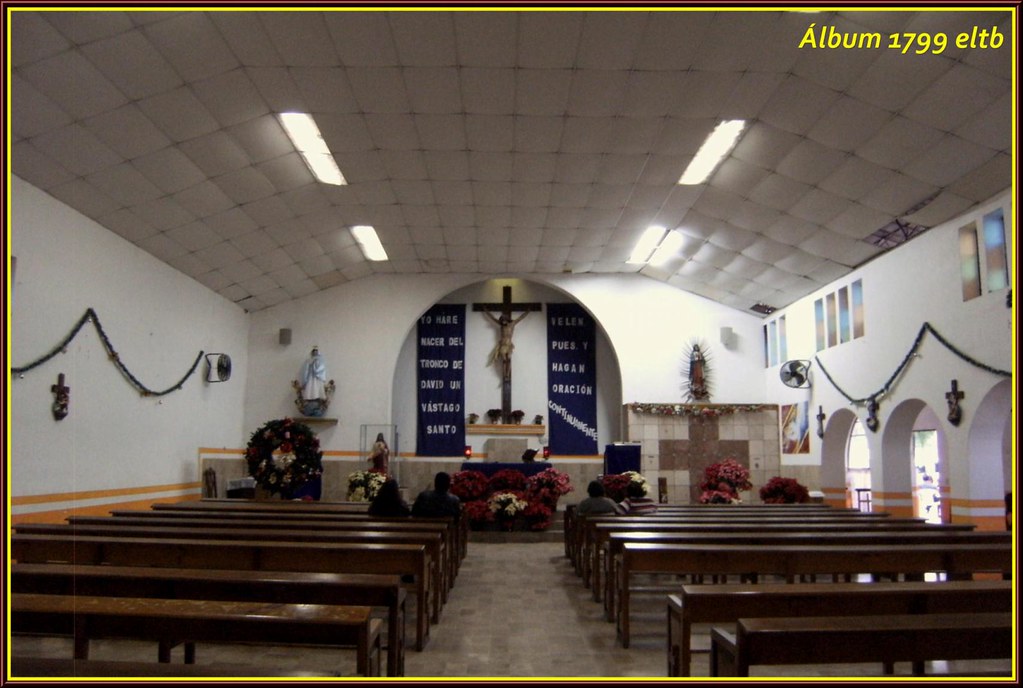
x=835 y=480
x=913 y=429
x=989 y=448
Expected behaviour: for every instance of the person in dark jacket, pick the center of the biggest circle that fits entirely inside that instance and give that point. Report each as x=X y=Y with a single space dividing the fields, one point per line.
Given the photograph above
x=438 y=501
x=388 y=501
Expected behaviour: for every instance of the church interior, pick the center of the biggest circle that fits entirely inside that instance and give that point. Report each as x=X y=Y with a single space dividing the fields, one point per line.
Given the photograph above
x=497 y=252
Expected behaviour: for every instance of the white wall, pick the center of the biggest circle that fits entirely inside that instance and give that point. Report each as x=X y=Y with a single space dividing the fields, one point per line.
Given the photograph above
x=916 y=283
x=363 y=327
x=156 y=319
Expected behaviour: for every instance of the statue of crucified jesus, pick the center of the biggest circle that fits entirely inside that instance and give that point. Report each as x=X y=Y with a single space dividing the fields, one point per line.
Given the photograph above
x=503 y=349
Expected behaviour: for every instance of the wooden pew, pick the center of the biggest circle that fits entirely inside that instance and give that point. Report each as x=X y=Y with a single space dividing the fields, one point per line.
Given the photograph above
x=115 y=528
x=916 y=536
x=588 y=525
x=700 y=511
x=170 y=622
x=601 y=533
x=702 y=604
x=915 y=638
x=457 y=530
x=232 y=554
x=354 y=523
x=293 y=587
x=791 y=561
x=460 y=525
x=598 y=532
x=35 y=667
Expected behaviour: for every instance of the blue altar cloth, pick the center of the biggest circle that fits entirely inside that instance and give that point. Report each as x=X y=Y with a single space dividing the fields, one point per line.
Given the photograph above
x=488 y=468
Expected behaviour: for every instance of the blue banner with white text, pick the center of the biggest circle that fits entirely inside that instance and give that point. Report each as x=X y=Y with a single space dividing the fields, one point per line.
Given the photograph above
x=440 y=361
x=571 y=380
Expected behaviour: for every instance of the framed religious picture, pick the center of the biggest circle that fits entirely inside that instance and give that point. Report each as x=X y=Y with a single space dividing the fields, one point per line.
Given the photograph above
x=795 y=428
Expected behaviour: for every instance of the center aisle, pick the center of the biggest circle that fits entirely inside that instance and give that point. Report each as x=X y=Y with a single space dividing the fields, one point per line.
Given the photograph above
x=519 y=610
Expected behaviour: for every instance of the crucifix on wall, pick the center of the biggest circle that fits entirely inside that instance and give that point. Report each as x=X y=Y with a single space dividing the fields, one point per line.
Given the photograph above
x=502 y=351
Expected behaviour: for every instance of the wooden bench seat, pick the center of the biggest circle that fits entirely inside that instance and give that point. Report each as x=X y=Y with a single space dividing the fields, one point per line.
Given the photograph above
x=915 y=638
x=460 y=525
x=223 y=584
x=264 y=521
x=703 y=604
x=113 y=527
x=588 y=526
x=46 y=667
x=171 y=622
x=792 y=561
x=915 y=536
x=402 y=560
x=595 y=569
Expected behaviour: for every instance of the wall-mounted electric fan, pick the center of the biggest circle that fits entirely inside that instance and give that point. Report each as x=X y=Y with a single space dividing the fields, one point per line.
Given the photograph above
x=795 y=373
x=218 y=367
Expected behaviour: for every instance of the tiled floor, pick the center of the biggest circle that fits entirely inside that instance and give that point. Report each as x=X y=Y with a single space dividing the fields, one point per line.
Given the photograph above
x=517 y=610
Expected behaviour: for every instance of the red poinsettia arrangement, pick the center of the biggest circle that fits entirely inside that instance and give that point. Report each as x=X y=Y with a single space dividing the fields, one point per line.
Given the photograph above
x=784 y=491
x=509 y=497
x=469 y=485
x=723 y=481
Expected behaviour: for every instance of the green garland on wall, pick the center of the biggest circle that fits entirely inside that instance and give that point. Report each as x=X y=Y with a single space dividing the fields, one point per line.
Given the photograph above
x=890 y=382
x=90 y=316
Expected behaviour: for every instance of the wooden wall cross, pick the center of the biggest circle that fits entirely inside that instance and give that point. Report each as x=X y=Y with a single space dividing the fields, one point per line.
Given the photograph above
x=61 y=398
x=955 y=413
x=502 y=351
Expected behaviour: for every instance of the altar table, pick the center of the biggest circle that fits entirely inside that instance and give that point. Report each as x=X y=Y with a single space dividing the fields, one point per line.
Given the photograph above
x=488 y=468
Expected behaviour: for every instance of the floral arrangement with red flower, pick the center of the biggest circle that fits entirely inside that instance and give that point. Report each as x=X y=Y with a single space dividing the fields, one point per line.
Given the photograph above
x=548 y=486
x=784 y=491
x=283 y=455
x=616 y=486
x=723 y=481
x=469 y=485
x=509 y=498
x=507 y=480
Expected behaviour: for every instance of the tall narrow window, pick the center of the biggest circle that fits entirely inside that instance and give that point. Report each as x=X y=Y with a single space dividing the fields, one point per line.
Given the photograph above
x=767 y=348
x=844 y=323
x=969 y=262
x=818 y=315
x=772 y=342
x=832 y=320
x=783 y=344
x=857 y=308
x=994 y=251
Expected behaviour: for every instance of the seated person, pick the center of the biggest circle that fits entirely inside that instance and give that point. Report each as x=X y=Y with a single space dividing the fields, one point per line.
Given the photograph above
x=597 y=503
x=438 y=501
x=388 y=501
x=636 y=502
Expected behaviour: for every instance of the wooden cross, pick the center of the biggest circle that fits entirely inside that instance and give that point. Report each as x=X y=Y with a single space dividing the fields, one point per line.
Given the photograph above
x=872 y=421
x=502 y=351
x=61 y=398
x=955 y=413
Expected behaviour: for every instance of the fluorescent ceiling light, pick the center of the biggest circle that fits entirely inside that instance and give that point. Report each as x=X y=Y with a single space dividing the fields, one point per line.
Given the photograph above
x=369 y=242
x=713 y=151
x=667 y=250
x=306 y=138
x=647 y=243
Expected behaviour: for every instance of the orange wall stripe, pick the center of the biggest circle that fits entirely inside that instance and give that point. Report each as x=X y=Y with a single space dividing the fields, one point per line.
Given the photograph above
x=978 y=503
x=99 y=494
x=60 y=515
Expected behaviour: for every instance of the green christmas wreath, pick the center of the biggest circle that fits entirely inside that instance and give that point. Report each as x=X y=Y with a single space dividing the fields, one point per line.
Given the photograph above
x=283 y=456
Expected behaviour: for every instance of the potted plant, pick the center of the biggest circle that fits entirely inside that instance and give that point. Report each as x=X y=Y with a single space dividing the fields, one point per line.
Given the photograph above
x=473 y=417
x=517 y=416
x=494 y=415
x=538 y=419
x=784 y=491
